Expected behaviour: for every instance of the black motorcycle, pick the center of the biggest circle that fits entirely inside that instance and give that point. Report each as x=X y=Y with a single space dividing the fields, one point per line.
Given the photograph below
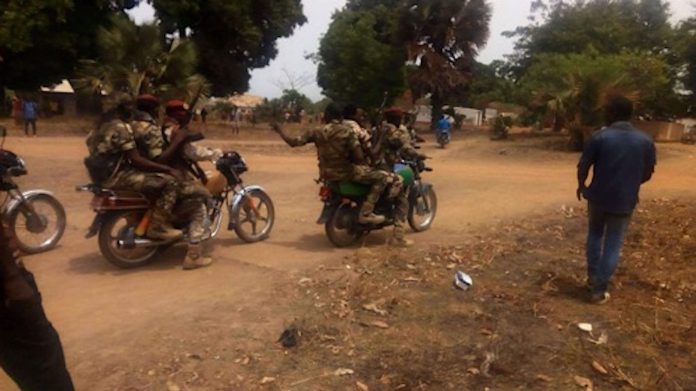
x=342 y=201
x=35 y=218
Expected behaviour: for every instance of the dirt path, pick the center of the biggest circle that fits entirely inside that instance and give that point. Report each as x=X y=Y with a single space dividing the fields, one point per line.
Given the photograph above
x=98 y=309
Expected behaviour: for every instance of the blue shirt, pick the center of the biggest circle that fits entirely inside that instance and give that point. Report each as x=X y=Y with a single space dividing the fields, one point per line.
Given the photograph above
x=29 y=110
x=622 y=158
x=443 y=124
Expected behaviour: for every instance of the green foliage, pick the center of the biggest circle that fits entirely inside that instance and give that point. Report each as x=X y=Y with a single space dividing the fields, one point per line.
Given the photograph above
x=608 y=26
x=357 y=61
x=232 y=37
x=134 y=58
x=42 y=40
x=685 y=46
x=632 y=39
x=572 y=87
x=291 y=101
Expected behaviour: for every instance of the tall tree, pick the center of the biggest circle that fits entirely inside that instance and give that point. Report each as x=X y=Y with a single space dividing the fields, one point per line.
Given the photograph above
x=608 y=26
x=135 y=59
x=41 y=41
x=232 y=37
x=685 y=45
x=357 y=58
x=442 y=38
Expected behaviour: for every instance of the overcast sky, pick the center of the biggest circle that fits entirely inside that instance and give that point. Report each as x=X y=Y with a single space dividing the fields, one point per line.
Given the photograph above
x=507 y=15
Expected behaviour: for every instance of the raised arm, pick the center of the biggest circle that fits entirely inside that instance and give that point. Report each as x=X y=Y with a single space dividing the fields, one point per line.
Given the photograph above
x=304 y=139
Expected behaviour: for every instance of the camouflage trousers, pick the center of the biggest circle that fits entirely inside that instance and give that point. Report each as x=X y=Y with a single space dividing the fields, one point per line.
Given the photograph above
x=192 y=207
x=378 y=181
x=400 y=213
x=163 y=186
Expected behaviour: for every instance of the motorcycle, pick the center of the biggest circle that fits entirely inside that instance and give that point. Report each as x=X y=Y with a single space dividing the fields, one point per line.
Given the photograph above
x=342 y=203
x=122 y=216
x=35 y=218
x=443 y=137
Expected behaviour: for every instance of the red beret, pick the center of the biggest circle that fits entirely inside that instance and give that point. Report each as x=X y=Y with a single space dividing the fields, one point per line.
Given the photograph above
x=394 y=110
x=147 y=98
x=177 y=105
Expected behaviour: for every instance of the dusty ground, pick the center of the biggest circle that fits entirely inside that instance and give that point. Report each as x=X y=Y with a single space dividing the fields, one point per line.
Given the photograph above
x=216 y=328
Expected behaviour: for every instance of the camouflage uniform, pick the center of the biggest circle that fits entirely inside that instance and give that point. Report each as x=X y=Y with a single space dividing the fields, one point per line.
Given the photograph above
x=335 y=143
x=192 y=194
x=115 y=138
x=363 y=136
x=395 y=146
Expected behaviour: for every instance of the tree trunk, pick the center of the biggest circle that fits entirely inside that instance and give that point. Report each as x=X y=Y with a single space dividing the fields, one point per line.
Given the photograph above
x=3 y=103
x=436 y=103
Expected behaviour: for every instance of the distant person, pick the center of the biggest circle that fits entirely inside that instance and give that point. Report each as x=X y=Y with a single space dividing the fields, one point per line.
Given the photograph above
x=237 y=120
x=30 y=349
x=622 y=158
x=17 y=110
x=30 y=112
x=204 y=114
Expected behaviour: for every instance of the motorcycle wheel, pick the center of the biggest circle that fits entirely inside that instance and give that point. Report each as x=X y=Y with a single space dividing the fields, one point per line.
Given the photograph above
x=111 y=230
x=340 y=227
x=422 y=210
x=256 y=207
x=42 y=231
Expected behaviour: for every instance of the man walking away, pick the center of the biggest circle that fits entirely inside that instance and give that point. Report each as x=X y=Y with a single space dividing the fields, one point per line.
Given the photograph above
x=30 y=111
x=622 y=158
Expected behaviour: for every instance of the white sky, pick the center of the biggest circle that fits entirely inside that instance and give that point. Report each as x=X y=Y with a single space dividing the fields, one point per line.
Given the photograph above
x=507 y=15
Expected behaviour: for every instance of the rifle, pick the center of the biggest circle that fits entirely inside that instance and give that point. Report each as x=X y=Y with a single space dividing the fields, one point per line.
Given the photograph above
x=378 y=131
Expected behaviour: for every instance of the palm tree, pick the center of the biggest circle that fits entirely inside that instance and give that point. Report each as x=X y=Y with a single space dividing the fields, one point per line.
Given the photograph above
x=136 y=59
x=442 y=38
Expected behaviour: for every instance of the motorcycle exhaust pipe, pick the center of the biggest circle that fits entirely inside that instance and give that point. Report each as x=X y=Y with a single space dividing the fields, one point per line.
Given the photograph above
x=138 y=243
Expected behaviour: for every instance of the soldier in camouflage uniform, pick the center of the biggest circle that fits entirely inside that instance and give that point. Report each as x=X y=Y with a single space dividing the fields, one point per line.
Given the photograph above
x=394 y=143
x=192 y=194
x=341 y=159
x=113 y=140
x=354 y=118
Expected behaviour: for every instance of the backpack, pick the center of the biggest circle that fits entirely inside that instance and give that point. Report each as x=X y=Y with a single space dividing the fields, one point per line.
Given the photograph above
x=101 y=167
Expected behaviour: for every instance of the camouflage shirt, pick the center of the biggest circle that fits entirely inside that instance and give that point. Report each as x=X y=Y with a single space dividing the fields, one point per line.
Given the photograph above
x=335 y=144
x=111 y=138
x=395 y=146
x=148 y=135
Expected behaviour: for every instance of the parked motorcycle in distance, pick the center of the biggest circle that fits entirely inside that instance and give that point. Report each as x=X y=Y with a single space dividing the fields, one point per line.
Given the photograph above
x=122 y=215
x=35 y=218
x=342 y=203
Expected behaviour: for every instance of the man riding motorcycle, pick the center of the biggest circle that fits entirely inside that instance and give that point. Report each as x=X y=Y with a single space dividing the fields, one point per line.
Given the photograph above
x=114 y=162
x=394 y=143
x=341 y=159
x=193 y=196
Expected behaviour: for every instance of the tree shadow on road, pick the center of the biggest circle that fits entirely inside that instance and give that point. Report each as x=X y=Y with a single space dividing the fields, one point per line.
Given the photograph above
x=95 y=263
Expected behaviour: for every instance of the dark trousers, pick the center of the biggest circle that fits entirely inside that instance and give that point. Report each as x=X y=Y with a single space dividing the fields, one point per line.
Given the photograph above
x=30 y=349
x=28 y=122
x=605 y=238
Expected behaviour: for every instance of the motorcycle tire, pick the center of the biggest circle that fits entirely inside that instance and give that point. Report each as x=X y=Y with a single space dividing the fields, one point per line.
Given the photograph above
x=423 y=199
x=18 y=218
x=122 y=258
x=340 y=228
x=251 y=217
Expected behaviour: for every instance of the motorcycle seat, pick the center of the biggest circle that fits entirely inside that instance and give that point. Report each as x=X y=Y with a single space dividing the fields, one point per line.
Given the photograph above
x=351 y=189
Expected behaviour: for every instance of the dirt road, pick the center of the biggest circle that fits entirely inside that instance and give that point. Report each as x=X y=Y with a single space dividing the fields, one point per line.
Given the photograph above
x=99 y=310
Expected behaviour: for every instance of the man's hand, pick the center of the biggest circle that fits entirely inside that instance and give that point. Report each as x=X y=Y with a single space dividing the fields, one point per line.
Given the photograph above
x=178 y=136
x=579 y=192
